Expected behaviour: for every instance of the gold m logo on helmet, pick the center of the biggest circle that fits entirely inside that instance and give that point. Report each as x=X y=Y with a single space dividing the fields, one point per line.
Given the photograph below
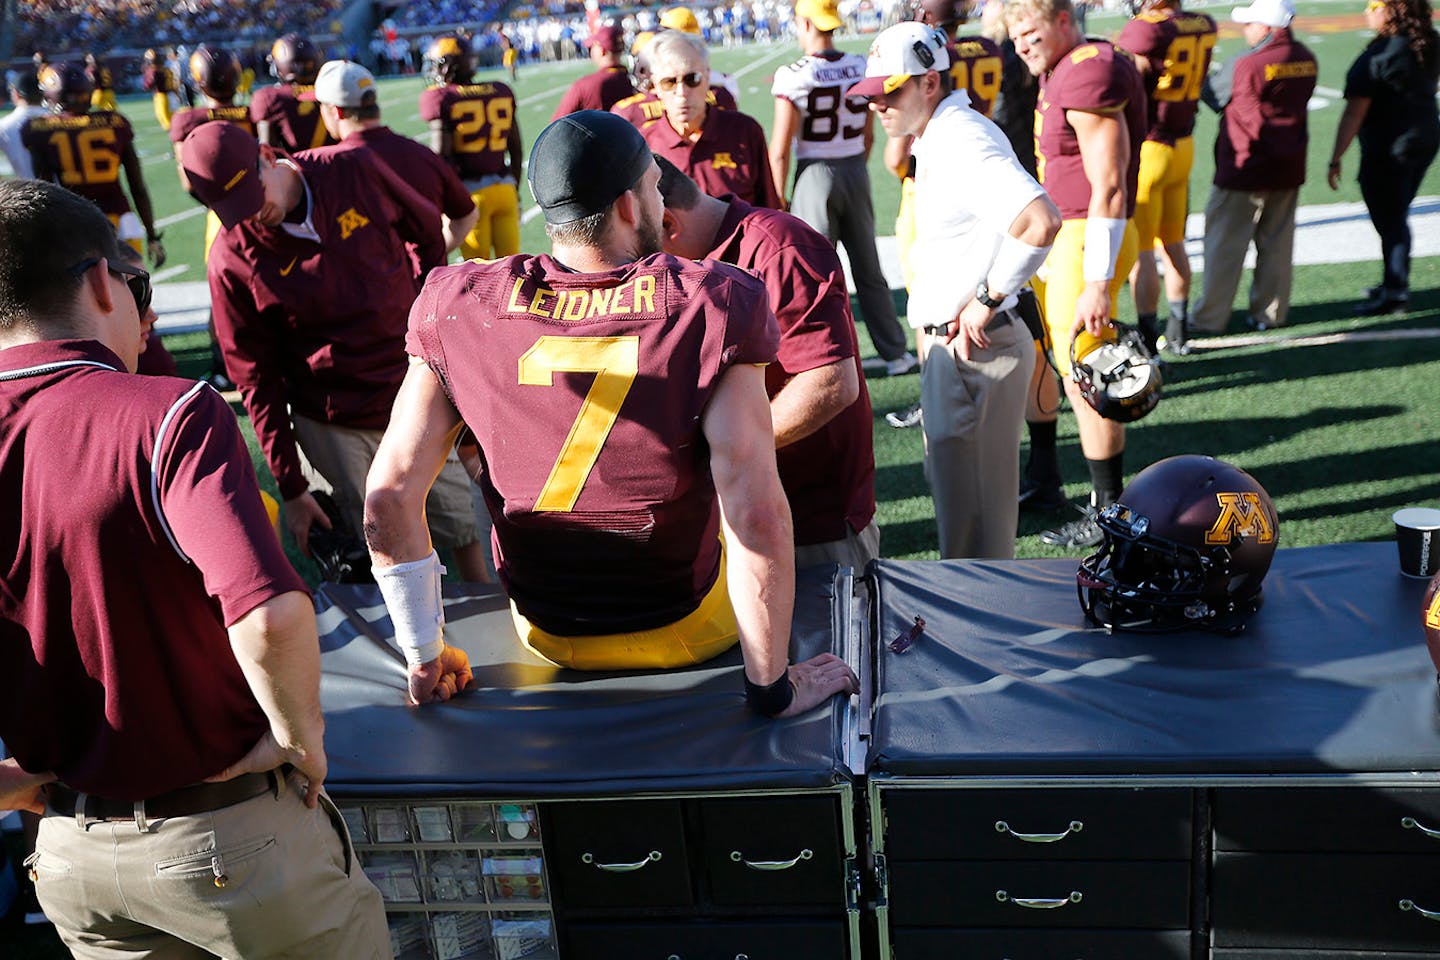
x=1432 y=612
x=1241 y=515
x=350 y=221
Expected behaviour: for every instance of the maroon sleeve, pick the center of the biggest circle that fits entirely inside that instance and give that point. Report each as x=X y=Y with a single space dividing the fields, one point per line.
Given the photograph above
x=264 y=106
x=209 y=500
x=1145 y=38
x=812 y=307
x=124 y=134
x=181 y=124
x=1091 y=83
x=765 y=193
x=249 y=342
x=455 y=200
x=422 y=335
x=724 y=99
x=752 y=334
x=569 y=103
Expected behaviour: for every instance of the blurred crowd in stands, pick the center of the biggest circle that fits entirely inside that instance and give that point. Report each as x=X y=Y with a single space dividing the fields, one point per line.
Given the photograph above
x=62 y=26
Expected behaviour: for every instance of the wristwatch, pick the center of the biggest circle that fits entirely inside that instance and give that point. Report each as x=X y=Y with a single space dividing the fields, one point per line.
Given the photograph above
x=982 y=293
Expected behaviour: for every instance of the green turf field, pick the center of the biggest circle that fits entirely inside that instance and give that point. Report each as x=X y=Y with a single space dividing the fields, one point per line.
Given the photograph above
x=1335 y=431
x=1338 y=430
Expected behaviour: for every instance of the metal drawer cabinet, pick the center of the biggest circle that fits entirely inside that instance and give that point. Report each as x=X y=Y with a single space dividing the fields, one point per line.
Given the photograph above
x=761 y=851
x=1043 y=870
x=1353 y=870
x=618 y=853
x=1043 y=945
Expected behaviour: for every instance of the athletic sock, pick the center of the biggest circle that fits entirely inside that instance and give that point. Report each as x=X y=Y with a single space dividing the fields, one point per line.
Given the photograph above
x=1149 y=325
x=1044 y=464
x=1105 y=480
x=1177 y=327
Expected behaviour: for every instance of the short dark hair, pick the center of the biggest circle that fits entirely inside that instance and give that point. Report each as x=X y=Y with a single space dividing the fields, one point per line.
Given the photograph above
x=27 y=87
x=676 y=188
x=45 y=231
x=584 y=232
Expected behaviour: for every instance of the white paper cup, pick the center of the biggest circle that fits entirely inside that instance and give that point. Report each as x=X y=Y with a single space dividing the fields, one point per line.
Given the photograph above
x=1417 y=536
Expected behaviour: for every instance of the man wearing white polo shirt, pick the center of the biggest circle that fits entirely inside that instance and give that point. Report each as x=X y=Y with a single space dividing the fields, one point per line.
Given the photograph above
x=974 y=249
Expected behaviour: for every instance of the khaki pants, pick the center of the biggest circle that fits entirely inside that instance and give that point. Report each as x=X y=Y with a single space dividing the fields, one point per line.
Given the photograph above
x=1233 y=218
x=293 y=888
x=973 y=414
x=336 y=459
x=855 y=550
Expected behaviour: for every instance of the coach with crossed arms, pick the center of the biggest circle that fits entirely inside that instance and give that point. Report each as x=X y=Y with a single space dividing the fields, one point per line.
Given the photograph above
x=974 y=249
x=159 y=665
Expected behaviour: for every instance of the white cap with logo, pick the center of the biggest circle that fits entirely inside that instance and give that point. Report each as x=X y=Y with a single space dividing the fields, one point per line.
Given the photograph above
x=1272 y=13
x=908 y=49
x=345 y=84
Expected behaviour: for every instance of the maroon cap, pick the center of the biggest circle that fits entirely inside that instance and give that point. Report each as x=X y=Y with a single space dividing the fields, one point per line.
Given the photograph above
x=223 y=164
x=609 y=38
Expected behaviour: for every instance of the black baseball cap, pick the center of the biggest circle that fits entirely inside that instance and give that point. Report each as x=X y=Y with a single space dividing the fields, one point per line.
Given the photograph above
x=582 y=162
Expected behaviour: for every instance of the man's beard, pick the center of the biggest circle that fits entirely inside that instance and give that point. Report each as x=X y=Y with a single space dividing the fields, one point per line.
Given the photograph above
x=648 y=237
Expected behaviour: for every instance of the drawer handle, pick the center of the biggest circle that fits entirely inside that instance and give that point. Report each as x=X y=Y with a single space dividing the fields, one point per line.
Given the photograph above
x=1410 y=823
x=653 y=856
x=1075 y=827
x=1427 y=914
x=739 y=857
x=1039 y=903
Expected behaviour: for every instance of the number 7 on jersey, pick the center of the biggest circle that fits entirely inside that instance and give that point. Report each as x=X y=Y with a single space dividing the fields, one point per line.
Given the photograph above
x=615 y=361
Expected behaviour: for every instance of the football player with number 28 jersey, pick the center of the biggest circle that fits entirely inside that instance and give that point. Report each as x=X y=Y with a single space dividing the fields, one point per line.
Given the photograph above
x=831 y=135
x=1172 y=49
x=473 y=126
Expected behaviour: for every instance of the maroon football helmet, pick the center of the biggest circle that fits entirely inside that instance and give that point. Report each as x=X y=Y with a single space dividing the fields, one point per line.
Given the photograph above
x=216 y=71
x=1187 y=545
x=67 y=87
x=294 y=59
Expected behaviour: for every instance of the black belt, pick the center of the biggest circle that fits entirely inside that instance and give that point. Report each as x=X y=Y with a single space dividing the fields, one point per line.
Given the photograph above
x=1000 y=319
x=186 y=801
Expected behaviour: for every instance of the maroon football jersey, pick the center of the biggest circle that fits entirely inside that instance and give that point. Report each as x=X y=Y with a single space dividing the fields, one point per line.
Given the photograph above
x=643 y=109
x=479 y=118
x=84 y=154
x=1094 y=77
x=185 y=121
x=158 y=79
x=1177 y=47
x=729 y=157
x=977 y=68
x=585 y=392
x=296 y=121
x=600 y=90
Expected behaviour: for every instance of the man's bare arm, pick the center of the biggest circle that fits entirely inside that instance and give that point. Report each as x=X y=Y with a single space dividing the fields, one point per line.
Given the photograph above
x=811 y=399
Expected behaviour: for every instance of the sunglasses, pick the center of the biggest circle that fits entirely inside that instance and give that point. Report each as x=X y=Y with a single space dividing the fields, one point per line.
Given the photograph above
x=691 y=80
x=136 y=279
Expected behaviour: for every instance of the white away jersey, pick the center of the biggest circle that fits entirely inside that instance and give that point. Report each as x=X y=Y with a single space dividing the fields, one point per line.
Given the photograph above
x=833 y=125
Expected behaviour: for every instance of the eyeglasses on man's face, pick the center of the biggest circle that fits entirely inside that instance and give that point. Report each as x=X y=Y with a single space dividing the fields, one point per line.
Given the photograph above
x=137 y=279
x=691 y=80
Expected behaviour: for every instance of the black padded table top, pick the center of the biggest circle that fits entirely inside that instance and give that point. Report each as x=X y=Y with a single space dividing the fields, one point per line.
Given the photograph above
x=1331 y=675
x=530 y=729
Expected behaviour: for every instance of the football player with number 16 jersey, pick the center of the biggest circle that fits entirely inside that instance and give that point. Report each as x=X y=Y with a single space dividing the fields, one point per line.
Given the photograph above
x=473 y=126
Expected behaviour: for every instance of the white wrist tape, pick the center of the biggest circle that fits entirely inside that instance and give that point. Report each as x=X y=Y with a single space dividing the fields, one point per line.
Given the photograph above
x=1103 y=237
x=1015 y=264
x=412 y=595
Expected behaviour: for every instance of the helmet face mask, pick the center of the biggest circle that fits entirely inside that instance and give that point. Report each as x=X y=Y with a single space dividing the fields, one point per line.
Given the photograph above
x=1119 y=378
x=1187 y=545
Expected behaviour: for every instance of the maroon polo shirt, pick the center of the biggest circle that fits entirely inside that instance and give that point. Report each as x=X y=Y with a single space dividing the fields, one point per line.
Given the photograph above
x=829 y=476
x=319 y=327
x=1176 y=46
x=84 y=153
x=479 y=117
x=1263 y=132
x=626 y=540
x=1097 y=78
x=645 y=108
x=133 y=534
x=184 y=122
x=600 y=90
x=296 y=121
x=729 y=157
